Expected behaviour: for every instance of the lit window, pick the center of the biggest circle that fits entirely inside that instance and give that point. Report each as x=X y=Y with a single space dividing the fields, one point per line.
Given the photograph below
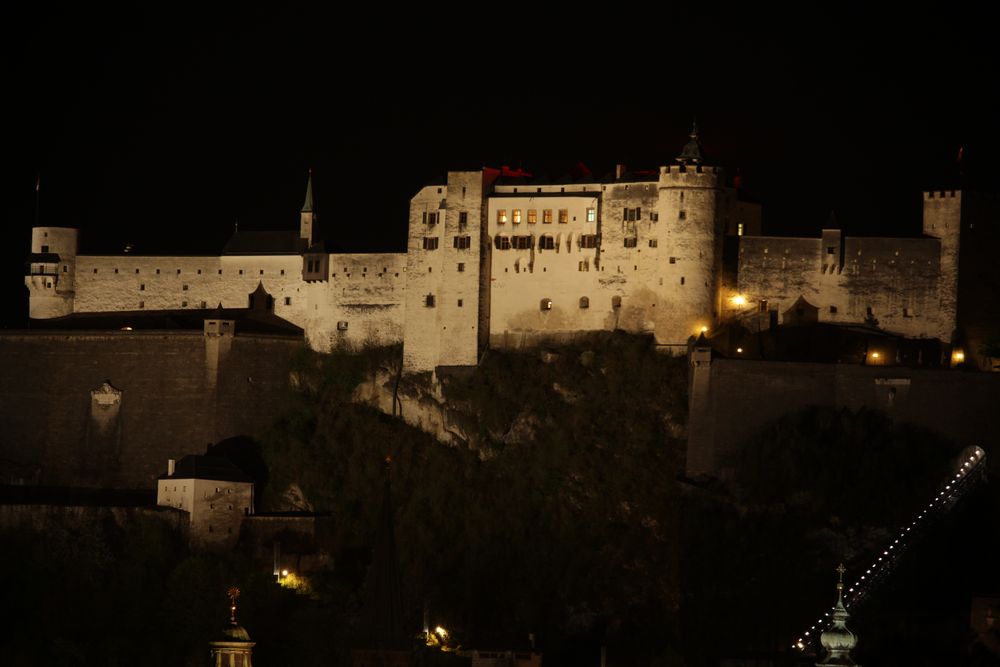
x=501 y=216
x=547 y=216
x=532 y=216
x=591 y=215
x=563 y=216
x=739 y=229
x=516 y=216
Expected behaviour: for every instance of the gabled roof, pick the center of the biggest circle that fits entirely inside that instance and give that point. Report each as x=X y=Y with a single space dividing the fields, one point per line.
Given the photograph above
x=215 y=468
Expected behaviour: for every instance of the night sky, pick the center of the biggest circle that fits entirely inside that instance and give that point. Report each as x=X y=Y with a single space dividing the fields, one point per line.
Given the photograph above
x=163 y=126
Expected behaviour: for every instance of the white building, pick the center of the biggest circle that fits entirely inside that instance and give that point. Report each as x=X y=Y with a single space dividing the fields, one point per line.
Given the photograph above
x=215 y=493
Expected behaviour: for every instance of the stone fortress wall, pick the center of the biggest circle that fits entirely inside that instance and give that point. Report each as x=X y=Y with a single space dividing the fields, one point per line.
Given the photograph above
x=495 y=261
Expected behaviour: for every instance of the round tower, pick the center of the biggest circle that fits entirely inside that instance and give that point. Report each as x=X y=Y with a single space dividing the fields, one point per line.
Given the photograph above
x=689 y=206
x=50 y=272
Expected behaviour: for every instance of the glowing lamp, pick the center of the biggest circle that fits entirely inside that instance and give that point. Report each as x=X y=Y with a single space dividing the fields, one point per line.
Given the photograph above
x=739 y=350
x=284 y=573
x=739 y=300
x=874 y=355
x=441 y=632
x=704 y=329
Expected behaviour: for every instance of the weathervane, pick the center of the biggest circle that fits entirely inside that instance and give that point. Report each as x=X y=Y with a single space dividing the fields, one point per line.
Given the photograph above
x=234 y=594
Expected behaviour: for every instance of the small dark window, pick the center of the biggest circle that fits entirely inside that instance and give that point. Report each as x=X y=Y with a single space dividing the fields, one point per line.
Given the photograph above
x=429 y=300
x=185 y=288
x=158 y=272
x=833 y=310
x=178 y=272
x=342 y=325
x=584 y=302
x=652 y=243
x=682 y=215
x=616 y=302
x=546 y=304
x=829 y=250
x=673 y=260
x=45 y=248
x=463 y=242
x=220 y=272
x=142 y=287
x=288 y=300
x=261 y=271
x=282 y=272
x=65 y=268
x=631 y=241
x=463 y=217
x=459 y=303
x=116 y=270
x=682 y=280
x=461 y=267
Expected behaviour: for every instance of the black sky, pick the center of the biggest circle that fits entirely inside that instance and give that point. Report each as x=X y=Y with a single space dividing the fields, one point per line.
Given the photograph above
x=161 y=125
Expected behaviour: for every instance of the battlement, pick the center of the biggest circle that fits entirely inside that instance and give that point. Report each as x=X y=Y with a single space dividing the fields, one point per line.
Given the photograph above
x=943 y=194
x=690 y=176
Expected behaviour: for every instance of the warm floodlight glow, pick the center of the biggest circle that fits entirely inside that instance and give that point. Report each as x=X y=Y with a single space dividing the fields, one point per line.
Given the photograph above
x=441 y=632
x=284 y=573
x=739 y=300
x=874 y=355
x=739 y=350
x=704 y=329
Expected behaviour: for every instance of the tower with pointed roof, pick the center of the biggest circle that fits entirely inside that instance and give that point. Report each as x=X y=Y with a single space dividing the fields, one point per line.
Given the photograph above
x=837 y=640
x=307 y=216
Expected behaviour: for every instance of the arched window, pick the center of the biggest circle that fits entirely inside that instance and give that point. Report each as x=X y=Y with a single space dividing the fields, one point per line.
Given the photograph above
x=584 y=302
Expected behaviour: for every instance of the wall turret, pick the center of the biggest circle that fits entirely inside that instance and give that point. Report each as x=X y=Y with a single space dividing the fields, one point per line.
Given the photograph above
x=50 y=272
x=689 y=205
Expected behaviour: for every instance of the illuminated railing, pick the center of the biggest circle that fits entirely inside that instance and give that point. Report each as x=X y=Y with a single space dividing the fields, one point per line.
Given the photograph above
x=970 y=470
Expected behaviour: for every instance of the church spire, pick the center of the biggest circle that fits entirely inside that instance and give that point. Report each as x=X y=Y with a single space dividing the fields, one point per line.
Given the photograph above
x=692 y=149
x=307 y=217
x=307 y=205
x=838 y=640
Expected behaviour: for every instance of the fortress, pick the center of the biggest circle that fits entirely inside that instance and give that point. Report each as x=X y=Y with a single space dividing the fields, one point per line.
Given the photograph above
x=495 y=258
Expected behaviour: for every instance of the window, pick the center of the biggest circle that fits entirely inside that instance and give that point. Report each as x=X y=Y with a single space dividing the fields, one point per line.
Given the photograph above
x=463 y=217
x=532 y=216
x=204 y=304
x=184 y=304
x=137 y=271
x=547 y=216
x=199 y=272
x=584 y=302
x=631 y=241
x=616 y=302
x=262 y=270
x=459 y=303
x=157 y=271
x=833 y=310
x=682 y=280
x=501 y=216
x=739 y=229
x=142 y=287
x=632 y=214
x=116 y=270
x=652 y=243
x=546 y=304
x=45 y=248
x=522 y=242
x=463 y=242
x=829 y=250
x=241 y=272
x=429 y=300
x=342 y=325
x=673 y=260
x=220 y=271
x=907 y=312
x=430 y=218
x=591 y=215
x=282 y=271
x=288 y=300
x=546 y=242
x=95 y=270
x=584 y=266
x=184 y=288
x=503 y=243
x=516 y=216
x=430 y=243
x=762 y=306
x=142 y=304
x=461 y=267
x=563 y=216
x=654 y=217
x=588 y=240
x=682 y=215
x=178 y=272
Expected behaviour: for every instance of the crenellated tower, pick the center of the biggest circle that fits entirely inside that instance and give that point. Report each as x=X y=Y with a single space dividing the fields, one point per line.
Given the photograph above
x=50 y=272
x=943 y=221
x=689 y=205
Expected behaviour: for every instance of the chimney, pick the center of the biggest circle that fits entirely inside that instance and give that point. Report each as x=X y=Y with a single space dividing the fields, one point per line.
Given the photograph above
x=170 y=466
x=619 y=170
